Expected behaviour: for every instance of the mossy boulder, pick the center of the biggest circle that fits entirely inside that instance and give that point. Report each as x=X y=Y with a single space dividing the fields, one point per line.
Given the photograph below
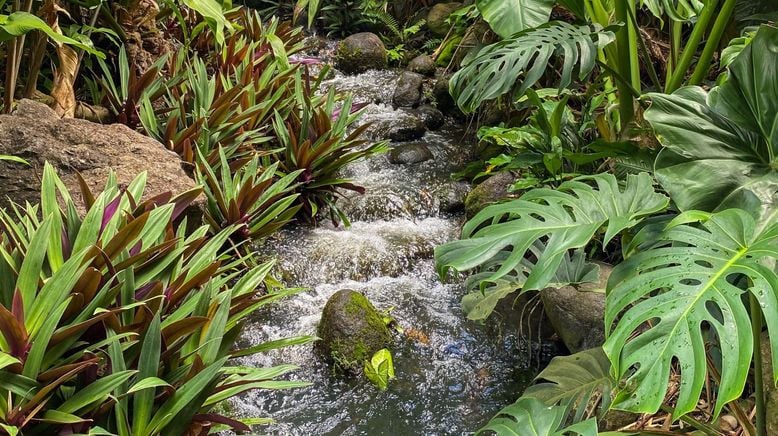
x=437 y=16
x=360 y=52
x=490 y=191
x=352 y=330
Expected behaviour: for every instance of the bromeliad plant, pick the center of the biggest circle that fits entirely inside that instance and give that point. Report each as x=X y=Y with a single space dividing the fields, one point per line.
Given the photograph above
x=696 y=293
x=119 y=322
x=317 y=145
x=251 y=198
x=234 y=107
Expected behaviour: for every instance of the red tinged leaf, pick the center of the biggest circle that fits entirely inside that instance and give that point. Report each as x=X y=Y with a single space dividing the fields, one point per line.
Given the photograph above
x=181 y=328
x=15 y=334
x=221 y=419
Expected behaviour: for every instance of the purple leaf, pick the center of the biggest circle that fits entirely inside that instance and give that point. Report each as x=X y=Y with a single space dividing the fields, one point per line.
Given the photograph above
x=110 y=211
x=304 y=60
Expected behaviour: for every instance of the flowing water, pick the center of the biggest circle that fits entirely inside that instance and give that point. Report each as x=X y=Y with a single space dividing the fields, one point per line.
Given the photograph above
x=452 y=374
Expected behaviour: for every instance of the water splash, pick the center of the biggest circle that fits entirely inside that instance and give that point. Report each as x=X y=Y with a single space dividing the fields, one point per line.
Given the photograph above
x=452 y=374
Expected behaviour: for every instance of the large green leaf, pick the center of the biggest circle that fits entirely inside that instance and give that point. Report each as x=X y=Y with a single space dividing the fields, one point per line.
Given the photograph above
x=567 y=217
x=480 y=303
x=516 y=64
x=720 y=150
x=575 y=382
x=530 y=416
x=689 y=287
x=20 y=23
x=507 y=17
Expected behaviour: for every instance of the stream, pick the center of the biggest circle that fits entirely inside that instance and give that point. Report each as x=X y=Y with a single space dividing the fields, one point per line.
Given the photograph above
x=452 y=374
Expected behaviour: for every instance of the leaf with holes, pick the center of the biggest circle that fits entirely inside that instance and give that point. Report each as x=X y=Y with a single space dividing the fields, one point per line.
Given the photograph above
x=514 y=65
x=568 y=217
x=532 y=415
x=666 y=298
x=577 y=382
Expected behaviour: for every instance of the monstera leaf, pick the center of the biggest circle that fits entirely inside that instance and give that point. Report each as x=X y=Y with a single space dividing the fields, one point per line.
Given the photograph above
x=690 y=286
x=565 y=219
x=529 y=416
x=480 y=303
x=721 y=150
x=507 y=17
x=575 y=382
x=516 y=64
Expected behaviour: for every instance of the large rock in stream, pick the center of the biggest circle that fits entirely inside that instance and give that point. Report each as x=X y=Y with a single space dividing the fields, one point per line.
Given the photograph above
x=352 y=330
x=577 y=312
x=491 y=191
x=361 y=52
x=408 y=90
x=407 y=154
x=34 y=132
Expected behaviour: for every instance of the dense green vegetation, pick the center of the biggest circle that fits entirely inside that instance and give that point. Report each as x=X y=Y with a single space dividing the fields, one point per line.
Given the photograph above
x=643 y=134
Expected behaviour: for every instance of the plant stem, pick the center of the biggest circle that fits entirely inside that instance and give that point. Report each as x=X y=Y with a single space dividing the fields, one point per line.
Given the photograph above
x=623 y=65
x=690 y=49
x=645 y=54
x=703 y=427
x=756 y=327
x=704 y=63
x=675 y=46
x=634 y=58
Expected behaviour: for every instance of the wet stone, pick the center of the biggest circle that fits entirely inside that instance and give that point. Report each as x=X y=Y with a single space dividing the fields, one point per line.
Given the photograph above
x=408 y=90
x=410 y=129
x=408 y=154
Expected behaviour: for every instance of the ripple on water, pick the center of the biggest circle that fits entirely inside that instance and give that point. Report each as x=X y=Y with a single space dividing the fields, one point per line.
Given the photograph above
x=453 y=375
x=448 y=383
x=364 y=251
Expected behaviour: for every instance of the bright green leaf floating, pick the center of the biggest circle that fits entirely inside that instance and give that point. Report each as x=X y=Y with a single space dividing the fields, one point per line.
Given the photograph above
x=695 y=275
x=507 y=17
x=380 y=369
x=721 y=150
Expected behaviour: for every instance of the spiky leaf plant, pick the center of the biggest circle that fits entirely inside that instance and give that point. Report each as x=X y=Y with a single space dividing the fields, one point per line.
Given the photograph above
x=118 y=321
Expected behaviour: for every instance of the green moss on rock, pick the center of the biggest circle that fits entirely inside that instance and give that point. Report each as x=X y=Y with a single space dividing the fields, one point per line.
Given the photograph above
x=360 y=52
x=352 y=330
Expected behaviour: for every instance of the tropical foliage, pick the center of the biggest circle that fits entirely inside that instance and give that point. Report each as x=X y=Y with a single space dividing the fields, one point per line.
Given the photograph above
x=694 y=284
x=120 y=322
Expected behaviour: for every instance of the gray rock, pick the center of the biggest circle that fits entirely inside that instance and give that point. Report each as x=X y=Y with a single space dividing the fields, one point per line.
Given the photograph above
x=360 y=52
x=409 y=129
x=490 y=191
x=407 y=154
x=35 y=132
x=443 y=99
x=437 y=16
x=577 y=312
x=408 y=90
x=432 y=118
x=352 y=330
x=422 y=64
x=452 y=196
